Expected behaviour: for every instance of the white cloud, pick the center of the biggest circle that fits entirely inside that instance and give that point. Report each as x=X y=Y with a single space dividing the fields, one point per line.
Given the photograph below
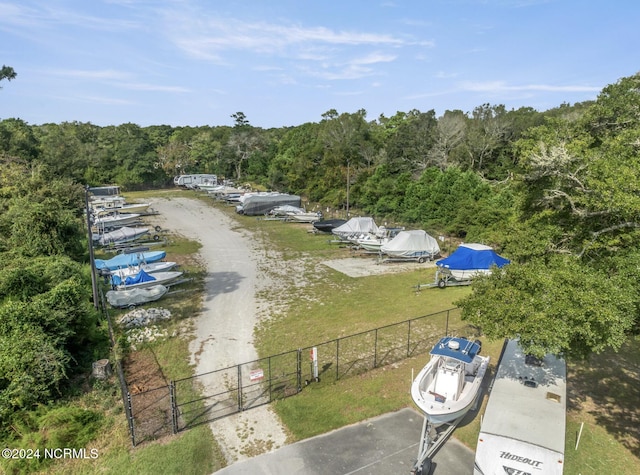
x=103 y=74
x=135 y=86
x=502 y=86
x=210 y=37
x=374 y=58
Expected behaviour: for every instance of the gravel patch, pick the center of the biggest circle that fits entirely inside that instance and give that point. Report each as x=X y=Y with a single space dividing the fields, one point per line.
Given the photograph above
x=364 y=266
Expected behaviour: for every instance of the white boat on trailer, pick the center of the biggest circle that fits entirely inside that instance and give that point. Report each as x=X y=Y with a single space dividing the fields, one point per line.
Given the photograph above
x=445 y=390
x=151 y=268
x=121 y=235
x=304 y=217
x=415 y=245
x=373 y=242
x=137 y=296
x=114 y=219
x=142 y=279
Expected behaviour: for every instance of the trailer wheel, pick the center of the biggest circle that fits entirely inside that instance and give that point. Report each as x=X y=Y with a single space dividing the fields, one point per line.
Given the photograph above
x=442 y=284
x=158 y=229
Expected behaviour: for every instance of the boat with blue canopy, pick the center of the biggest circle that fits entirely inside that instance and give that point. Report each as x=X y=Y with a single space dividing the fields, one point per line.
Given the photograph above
x=122 y=261
x=447 y=387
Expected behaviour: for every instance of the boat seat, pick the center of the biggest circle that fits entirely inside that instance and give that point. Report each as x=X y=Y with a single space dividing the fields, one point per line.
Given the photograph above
x=446 y=383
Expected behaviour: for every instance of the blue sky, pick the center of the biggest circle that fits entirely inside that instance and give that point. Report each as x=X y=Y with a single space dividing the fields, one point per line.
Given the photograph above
x=286 y=62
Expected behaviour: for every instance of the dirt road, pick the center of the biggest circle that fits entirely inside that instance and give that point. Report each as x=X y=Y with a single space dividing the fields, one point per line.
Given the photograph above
x=224 y=330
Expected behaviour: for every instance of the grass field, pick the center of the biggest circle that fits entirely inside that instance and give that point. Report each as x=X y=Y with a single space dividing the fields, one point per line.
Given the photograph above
x=317 y=304
x=604 y=393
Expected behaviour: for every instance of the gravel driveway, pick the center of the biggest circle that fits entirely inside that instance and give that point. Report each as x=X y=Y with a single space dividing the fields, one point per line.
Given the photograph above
x=224 y=329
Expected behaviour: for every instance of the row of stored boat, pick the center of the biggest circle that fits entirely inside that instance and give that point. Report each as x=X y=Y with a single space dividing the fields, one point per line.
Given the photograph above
x=137 y=275
x=391 y=243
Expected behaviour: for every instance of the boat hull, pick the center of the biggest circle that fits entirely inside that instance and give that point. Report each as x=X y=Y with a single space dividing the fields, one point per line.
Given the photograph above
x=328 y=225
x=303 y=217
x=154 y=267
x=125 y=260
x=159 y=278
x=135 y=297
x=436 y=401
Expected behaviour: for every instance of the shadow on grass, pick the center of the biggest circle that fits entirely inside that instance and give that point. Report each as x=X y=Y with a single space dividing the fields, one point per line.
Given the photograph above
x=607 y=387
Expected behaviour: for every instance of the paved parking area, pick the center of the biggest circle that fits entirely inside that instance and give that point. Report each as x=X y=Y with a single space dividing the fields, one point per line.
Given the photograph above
x=385 y=445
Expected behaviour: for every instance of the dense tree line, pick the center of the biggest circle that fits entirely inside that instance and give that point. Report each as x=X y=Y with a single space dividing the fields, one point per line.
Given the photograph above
x=48 y=325
x=556 y=191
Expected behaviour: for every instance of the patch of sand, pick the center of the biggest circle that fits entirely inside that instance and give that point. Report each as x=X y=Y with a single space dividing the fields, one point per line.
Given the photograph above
x=230 y=311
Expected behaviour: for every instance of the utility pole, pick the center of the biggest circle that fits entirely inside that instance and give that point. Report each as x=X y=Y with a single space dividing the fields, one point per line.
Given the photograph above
x=348 y=183
x=92 y=263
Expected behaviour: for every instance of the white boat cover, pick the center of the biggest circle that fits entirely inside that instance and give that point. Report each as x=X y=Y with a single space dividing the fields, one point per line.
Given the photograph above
x=412 y=244
x=123 y=234
x=261 y=203
x=142 y=279
x=132 y=297
x=286 y=209
x=356 y=226
x=148 y=268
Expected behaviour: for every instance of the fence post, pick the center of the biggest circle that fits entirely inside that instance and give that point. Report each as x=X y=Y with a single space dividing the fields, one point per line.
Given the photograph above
x=299 y=368
x=269 y=368
x=129 y=412
x=174 y=407
x=338 y=359
x=239 y=387
x=375 y=350
x=446 y=327
x=409 y=339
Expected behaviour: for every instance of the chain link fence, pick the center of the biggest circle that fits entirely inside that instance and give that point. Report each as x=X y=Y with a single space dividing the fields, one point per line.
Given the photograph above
x=203 y=398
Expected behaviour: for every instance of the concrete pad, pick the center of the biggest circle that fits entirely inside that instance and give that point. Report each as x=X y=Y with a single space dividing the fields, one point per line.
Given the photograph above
x=385 y=445
x=365 y=266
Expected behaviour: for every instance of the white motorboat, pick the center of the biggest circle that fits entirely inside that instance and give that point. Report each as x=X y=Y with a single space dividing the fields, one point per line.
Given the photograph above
x=467 y=262
x=105 y=204
x=415 y=244
x=304 y=217
x=135 y=296
x=115 y=219
x=119 y=236
x=448 y=386
x=142 y=280
x=150 y=268
x=373 y=242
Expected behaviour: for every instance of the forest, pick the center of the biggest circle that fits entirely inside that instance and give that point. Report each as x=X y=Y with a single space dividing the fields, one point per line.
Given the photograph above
x=556 y=191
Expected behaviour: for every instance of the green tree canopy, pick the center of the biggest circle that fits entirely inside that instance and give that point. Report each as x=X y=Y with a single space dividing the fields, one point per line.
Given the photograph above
x=555 y=305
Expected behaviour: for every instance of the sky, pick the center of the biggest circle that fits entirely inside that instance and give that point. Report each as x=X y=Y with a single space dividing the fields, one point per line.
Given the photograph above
x=287 y=62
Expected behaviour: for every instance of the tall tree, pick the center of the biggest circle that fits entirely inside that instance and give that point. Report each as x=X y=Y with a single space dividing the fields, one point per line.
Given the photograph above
x=243 y=142
x=555 y=305
x=7 y=72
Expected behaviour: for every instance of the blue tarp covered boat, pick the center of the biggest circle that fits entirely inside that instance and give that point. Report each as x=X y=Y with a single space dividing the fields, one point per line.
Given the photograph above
x=142 y=279
x=473 y=258
x=138 y=278
x=466 y=262
x=122 y=261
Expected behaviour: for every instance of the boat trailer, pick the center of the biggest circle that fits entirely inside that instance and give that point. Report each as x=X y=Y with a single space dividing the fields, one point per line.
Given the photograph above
x=431 y=439
x=434 y=436
x=443 y=279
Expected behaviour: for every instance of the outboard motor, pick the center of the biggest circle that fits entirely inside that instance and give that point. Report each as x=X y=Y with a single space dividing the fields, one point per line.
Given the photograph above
x=479 y=343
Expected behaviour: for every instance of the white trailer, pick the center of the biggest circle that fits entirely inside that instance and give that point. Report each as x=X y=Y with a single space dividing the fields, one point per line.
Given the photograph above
x=523 y=428
x=191 y=181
